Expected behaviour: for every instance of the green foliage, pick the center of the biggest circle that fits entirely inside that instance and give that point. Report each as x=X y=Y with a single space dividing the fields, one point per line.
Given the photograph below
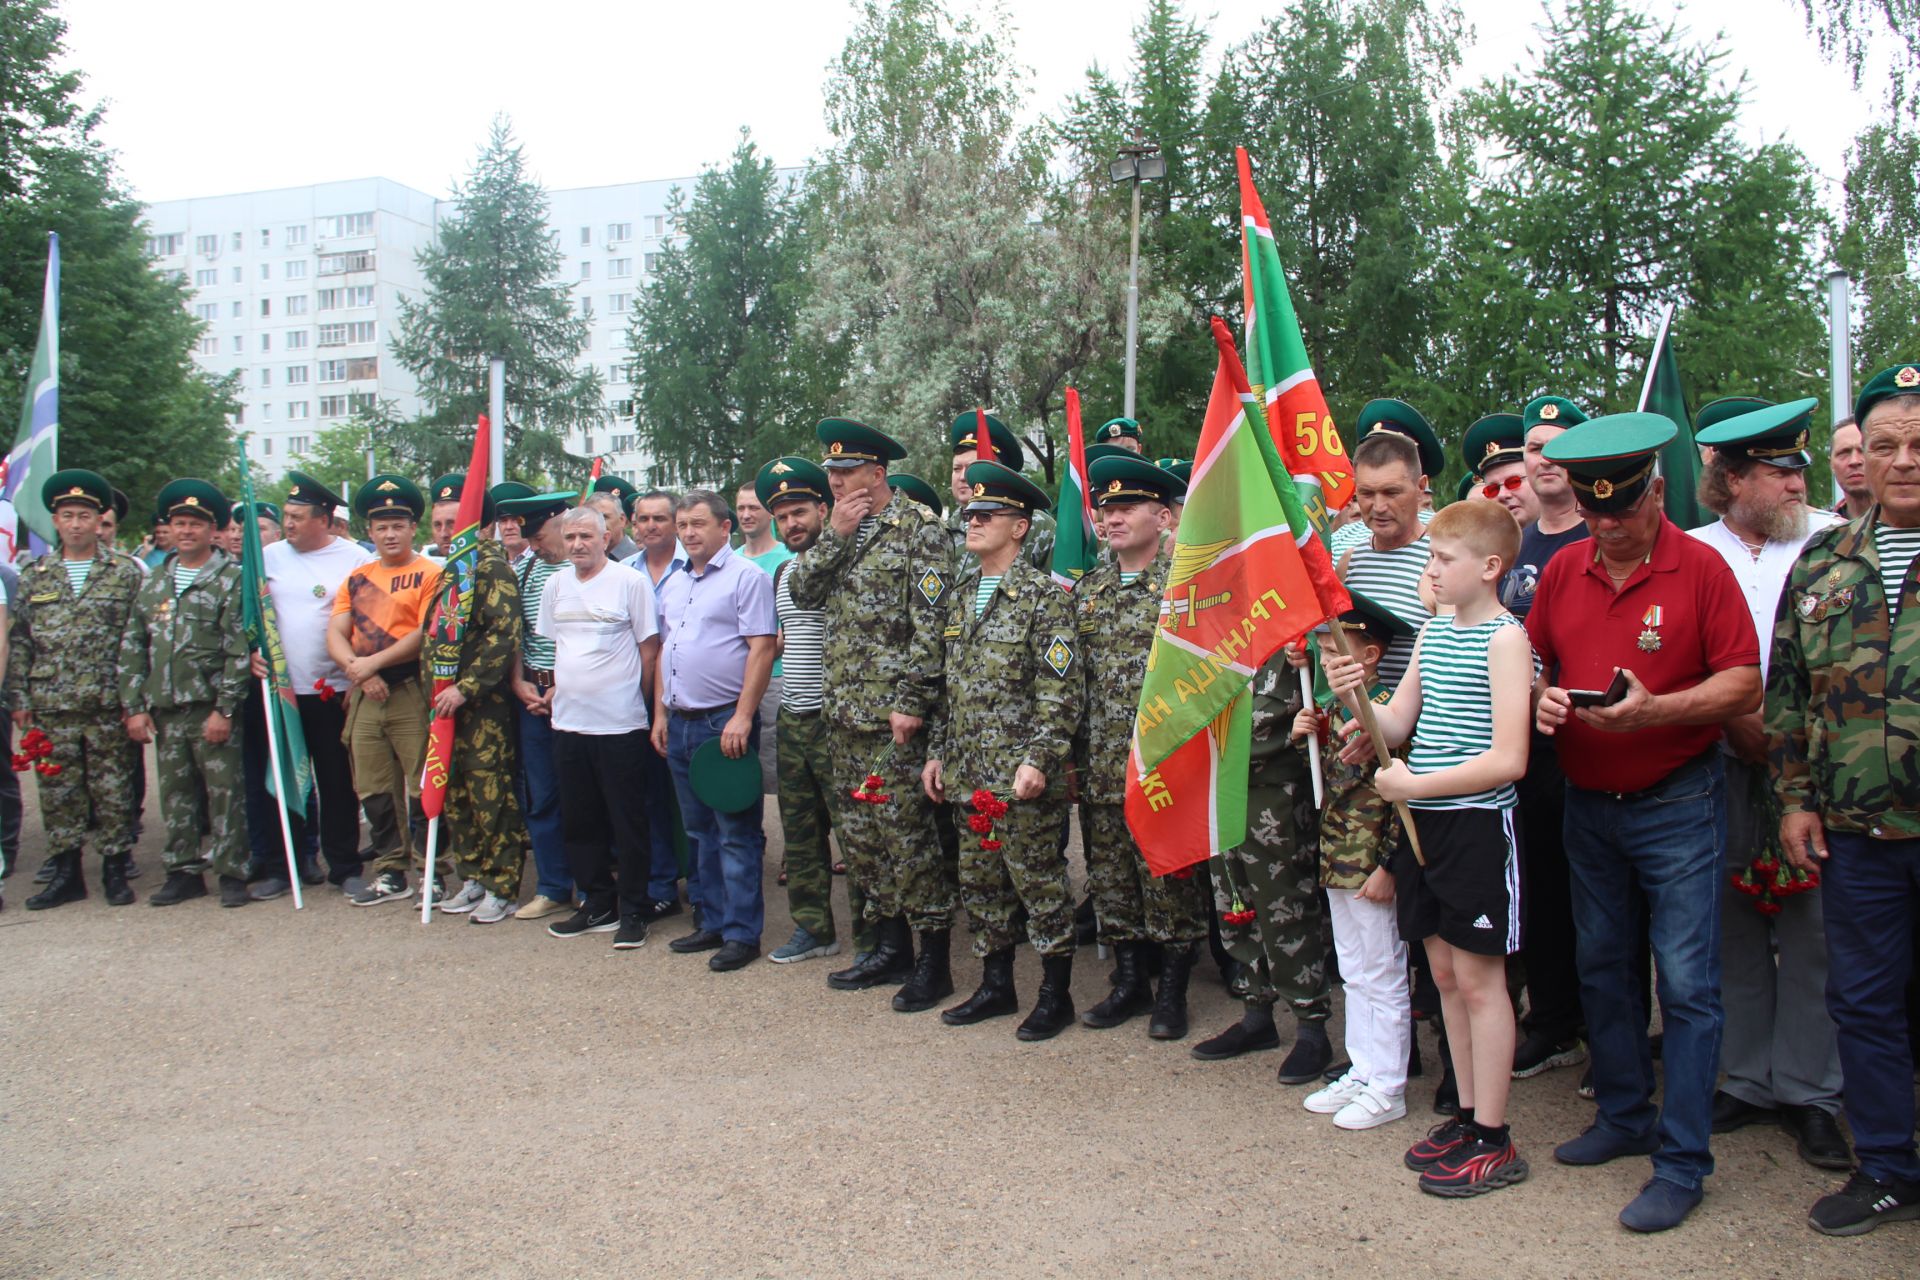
x=1880 y=247
x=1852 y=29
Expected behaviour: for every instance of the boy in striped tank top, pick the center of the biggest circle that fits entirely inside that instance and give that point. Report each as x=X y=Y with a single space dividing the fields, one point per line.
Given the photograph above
x=1464 y=704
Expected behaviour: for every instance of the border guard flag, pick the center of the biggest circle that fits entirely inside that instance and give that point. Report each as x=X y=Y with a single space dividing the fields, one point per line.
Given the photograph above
x=295 y=775
x=448 y=626
x=36 y=446
x=1073 y=542
x=1662 y=393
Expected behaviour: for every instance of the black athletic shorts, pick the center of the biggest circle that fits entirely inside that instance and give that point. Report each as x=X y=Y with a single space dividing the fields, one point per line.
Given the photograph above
x=1469 y=891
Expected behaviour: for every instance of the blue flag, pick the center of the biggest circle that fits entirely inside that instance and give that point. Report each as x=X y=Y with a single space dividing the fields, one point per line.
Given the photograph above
x=36 y=447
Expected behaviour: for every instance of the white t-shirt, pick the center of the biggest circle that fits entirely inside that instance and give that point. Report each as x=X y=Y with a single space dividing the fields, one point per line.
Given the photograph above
x=1762 y=580
x=597 y=628
x=303 y=586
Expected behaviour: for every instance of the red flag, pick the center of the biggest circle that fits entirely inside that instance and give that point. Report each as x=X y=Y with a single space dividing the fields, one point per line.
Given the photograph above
x=448 y=624
x=983 y=438
x=595 y=473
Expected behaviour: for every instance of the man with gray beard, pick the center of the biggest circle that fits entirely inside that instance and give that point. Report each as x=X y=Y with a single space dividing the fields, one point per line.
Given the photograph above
x=1778 y=1049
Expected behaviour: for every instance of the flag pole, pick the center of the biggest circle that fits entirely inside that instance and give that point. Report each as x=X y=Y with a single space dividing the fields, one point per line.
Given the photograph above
x=1313 y=739
x=426 y=880
x=269 y=713
x=1380 y=753
x=1653 y=362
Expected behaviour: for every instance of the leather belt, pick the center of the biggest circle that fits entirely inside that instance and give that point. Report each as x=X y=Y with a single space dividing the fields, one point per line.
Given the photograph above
x=537 y=678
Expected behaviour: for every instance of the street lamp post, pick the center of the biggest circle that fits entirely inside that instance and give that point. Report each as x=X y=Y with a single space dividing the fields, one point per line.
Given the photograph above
x=1137 y=163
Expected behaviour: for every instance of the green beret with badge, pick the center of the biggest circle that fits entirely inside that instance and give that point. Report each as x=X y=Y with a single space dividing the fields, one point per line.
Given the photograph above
x=1400 y=417
x=308 y=492
x=994 y=487
x=1775 y=434
x=1900 y=380
x=1118 y=429
x=919 y=490
x=1610 y=460
x=449 y=487
x=1551 y=411
x=389 y=495
x=791 y=479
x=1006 y=446
x=1131 y=478
x=534 y=509
x=193 y=497
x=1493 y=441
x=74 y=485
x=1182 y=468
x=855 y=444
x=620 y=487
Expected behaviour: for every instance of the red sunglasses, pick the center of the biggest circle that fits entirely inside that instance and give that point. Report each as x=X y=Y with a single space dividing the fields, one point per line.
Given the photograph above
x=1510 y=484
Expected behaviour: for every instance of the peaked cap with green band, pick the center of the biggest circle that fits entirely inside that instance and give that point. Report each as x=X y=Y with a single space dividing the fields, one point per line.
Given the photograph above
x=1550 y=411
x=1715 y=412
x=534 y=509
x=192 y=497
x=852 y=444
x=389 y=495
x=1610 y=460
x=1775 y=434
x=619 y=486
x=789 y=478
x=1368 y=615
x=88 y=488
x=1401 y=417
x=1133 y=479
x=919 y=490
x=266 y=509
x=1000 y=488
x=304 y=490
x=1900 y=380
x=1467 y=482
x=121 y=505
x=507 y=490
x=450 y=486
x=1116 y=428
x=1182 y=468
x=1006 y=446
x=1494 y=440
x=1095 y=452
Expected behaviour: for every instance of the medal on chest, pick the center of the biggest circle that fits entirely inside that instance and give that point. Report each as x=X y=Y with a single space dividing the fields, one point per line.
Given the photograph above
x=1649 y=640
x=319 y=592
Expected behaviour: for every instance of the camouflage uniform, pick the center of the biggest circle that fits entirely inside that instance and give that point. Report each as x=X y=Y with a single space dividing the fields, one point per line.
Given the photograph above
x=1357 y=826
x=1276 y=873
x=884 y=599
x=1014 y=694
x=188 y=659
x=1116 y=627
x=59 y=669
x=484 y=830
x=804 y=772
x=1037 y=550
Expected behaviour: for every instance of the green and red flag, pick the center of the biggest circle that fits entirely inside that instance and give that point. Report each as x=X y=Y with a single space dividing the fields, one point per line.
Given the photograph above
x=1240 y=588
x=262 y=626
x=448 y=626
x=1282 y=378
x=1664 y=394
x=1074 y=548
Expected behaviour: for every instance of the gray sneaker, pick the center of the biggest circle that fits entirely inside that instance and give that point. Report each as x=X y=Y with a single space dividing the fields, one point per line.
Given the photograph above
x=491 y=909
x=803 y=946
x=269 y=889
x=385 y=887
x=467 y=899
x=353 y=886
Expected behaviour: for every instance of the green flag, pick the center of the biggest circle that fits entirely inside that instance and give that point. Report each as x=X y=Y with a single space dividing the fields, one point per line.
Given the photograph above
x=295 y=778
x=1074 y=548
x=1680 y=460
x=36 y=446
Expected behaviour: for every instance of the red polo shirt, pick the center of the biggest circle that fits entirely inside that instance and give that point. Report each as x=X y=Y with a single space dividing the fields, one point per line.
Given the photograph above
x=1689 y=602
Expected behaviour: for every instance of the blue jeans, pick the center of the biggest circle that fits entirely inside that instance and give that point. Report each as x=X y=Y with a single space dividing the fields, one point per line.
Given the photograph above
x=663 y=809
x=1872 y=888
x=727 y=847
x=1669 y=840
x=540 y=804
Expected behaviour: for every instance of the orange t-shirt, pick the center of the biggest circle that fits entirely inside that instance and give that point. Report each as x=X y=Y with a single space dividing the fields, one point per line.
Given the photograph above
x=387 y=603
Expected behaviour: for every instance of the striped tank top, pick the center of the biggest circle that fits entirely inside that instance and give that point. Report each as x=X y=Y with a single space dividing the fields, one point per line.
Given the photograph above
x=1456 y=707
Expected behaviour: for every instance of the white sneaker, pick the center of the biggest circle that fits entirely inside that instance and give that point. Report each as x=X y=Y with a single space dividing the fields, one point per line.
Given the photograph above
x=1334 y=1096
x=1369 y=1109
x=492 y=909
x=464 y=901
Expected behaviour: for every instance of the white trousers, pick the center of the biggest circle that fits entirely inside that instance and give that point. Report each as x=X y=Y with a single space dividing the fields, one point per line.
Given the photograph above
x=1373 y=968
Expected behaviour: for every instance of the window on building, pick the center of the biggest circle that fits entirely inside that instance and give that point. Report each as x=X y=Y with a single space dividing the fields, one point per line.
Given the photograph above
x=298 y=444
x=266 y=412
x=239 y=241
x=653 y=263
x=203 y=278
x=346 y=224
x=266 y=271
x=266 y=377
x=619 y=231
x=266 y=342
x=296 y=375
x=333 y=371
x=617 y=303
x=659 y=221
x=620 y=268
x=296 y=234
x=622 y=409
x=588 y=442
x=296 y=410
x=295 y=269
x=239 y=308
x=616 y=373
x=239 y=344
x=586 y=271
x=237 y=277
x=586 y=235
x=206 y=311
x=296 y=338
x=619 y=340
x=240 y=414
x=207 y=246
x=333 y=406
x=333 y=335
x=625 y=444
x=266 y=446
x=266 y=238
x=357 y=401
x=362 y=368
x=339 y=264
x=296 y=304
x=167 y=245
x=586 y=307
x=266 y=306
x=209 y=346
x=329 y=299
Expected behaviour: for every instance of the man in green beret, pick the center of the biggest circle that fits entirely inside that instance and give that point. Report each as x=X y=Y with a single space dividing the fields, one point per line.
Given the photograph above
x=881 y=572
x=1117 y=607
x=1002 y=744
x=1495 y=448
x=1393 y=418
x=1121 y=433
x=185 y=681
x=62 y=680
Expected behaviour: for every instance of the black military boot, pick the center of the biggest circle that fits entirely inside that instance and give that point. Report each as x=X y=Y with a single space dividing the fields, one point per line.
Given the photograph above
x=47 y=868
x=890 y=963
x=1053 y=1007
x=1311 y=1053
x=993 y=999
x=113 y=880
x=180 y=886
x=932 y=979
x=233 y=891
x=65 y=885
x=1170 y=1002
x=1131 y=994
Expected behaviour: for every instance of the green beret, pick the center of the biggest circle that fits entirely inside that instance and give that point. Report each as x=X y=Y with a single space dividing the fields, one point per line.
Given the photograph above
x=389 y=495
x=450 y=486
x=88 y=488
x=920 y=491
x=1117 y=428
x=1006 y=446
x=305 y=490
x=1550 y=411
x=1367 y=615
x=1133 y=479
x=1182 y=468
x=1095 y=452
x=1774 y=434
x=1900 y=380
x=507 y=489
x=1495 y=439
x=1401 y=417
x=1467 y=482
x=1000 y=488
x=121 y=503
x=1610 y=460
x=619 y=486
x=534 y=509
x=1715 y=412
x=851 y=444
x=192 y=497
x=789 y=478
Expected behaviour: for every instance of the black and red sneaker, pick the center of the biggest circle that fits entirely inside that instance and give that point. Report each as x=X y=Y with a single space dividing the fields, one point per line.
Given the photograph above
x=1441 y=1141
x=1475 y=1168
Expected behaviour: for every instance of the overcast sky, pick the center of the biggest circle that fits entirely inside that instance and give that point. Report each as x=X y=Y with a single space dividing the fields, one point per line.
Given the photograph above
x=218 y=96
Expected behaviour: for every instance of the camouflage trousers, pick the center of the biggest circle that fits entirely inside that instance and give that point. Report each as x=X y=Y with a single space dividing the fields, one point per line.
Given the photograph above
x=1028 y=870
x=484 y=834
x=95 y=780
x=893 y=856
x=200 y=792
x=1130 y=903
x=803 y=766
x=1276 y=874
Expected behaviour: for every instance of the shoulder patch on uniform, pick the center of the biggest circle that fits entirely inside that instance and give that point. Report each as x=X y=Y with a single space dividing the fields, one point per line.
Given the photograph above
x=951 y=633
x=1059 y=656
x=932 y=586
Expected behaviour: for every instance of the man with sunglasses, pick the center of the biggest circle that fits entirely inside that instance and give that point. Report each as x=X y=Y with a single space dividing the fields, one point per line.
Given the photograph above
x=1656 y=620
x=1495 y=450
